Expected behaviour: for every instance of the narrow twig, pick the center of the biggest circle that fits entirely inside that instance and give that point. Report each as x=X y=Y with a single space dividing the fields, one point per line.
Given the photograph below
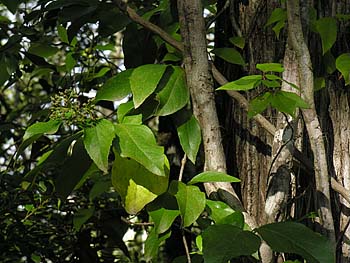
x=136 y=224
x=188 y=256
x=182 y=168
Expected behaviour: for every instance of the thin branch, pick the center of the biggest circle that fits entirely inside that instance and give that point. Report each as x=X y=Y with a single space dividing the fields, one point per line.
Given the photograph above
x=182 y=168
x=188 y=256
x=136 y=224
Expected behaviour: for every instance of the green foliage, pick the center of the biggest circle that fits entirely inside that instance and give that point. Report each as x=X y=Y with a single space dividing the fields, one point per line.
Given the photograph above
x=230 y=55
x=327 y=28
x=278 y=17
x=213 y=177
x=343 y=65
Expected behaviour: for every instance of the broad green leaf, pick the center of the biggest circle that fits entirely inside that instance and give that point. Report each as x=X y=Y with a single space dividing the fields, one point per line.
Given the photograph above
x=267 y=67
x=136 y=185
x=152 y=244
x=124 y=109
x=138 y=142
x=171 y=57
x=230 y=55
x=40 y=128
x=259 y=104
x=11 y=5
x=132 y=119
x=222 y=243
x=277 y=15
x=70 y=61
x=75 y=165
x=299 y=102
x=190 y=199
x=244 y=83
x=42 y=50
x=271 y=83
x=327 y=28
x=62 y=33
x=218 y=210
x=163 y=211
x=319 y=83
x=144 y=81
x=234 y=219
x=211 y=176
x=82 y=216
x=343 y=65
x=174 y=95
x=329 y=62
x=291 y=237
x=278 y=27
x=190 y=138
x=287 y=102
x=238 y=41
x=100 y=73
x=98 y=141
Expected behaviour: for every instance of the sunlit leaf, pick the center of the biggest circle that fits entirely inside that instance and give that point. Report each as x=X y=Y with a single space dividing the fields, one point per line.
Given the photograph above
x=244 y=83
x=212 y=176
x=40 y=128
x=267 y=67
x=343 y=65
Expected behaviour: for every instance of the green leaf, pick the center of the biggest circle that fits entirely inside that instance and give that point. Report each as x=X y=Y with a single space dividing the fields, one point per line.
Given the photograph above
x=144 y=80
x=343 y=65
x=62 y=33
x=100 y=73
x=136 y=185
x=171 y=57
x=278 y=27
x=222 y=243
x=212 y=176
x=102 y=185
x=244 y=83
x=132 y=119
x=97 y=141
x=327 y=28
x=329 y=62
x=138 y=142
x=42 y=50
x=70 y=61
x=267 y=67
x=230 y=55
x=115 y=88
x=238 y=41
x=291 y=237
x=319 y=83
x=40 y=128
x=163 y=212
x=11 y=5
x=234 y=219
x=152 y=244
x=287 y=102
x=174 y=95
x=218 y=210
x=190 y=199
x=82 y=216
x=190 y=138
x=259 y=104
x=277 y=15
x=271 y=83
x=124 y=109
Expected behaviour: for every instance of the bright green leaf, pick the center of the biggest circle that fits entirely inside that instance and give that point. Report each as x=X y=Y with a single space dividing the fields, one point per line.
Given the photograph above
x=291 y=237
x=221 y=243
x=210 y=176
x=238 y=41
x=218 y=210
x=82 y=216
x=234 y=219
x=133 y=119
x=124 y=109
x=171 y=57
x=190 y=199
x=271 y=83
x=343 y=65
x=174 y=95
x=97 y=141
x=327 y=28
x=115 y=88
x=190 y=138
x=40 y=128
x=199 y=242
x=100 y=73
x=267 y=67
x=144 y=80
x=138 y=142
x=230 y=55
x=244 y=83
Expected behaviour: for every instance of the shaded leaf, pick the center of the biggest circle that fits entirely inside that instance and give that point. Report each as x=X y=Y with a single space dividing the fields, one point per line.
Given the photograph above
x=211 y=176
x=259 y=104
x=70 y=61
x=190 y=138
x=327 y=28
x=153 y=243
x=82 y=216
x=319 y=83
x=238 y=41
x=42 y=50
x=62 y=33
x=230 y=55
x=278 y=14
x=97 y=141
x=225 y=242
x=291 y=237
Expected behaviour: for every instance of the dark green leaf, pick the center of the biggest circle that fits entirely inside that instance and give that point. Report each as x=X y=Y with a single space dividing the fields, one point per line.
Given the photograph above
x=70 y=61
x=97 y=141
x=174 y=95
x=42 y=50
x=319 y=83
x=82 y=216
x=259 y=104
x=327 y=28
x=153 y=243
x=190 y=199
x=277 y=28
x=238 y=41
x=230 y=55
x=343 y=65
x=291 y=237
x=222 y=243
x=100 y=187
x=62 y=33
x=211 y=176
x=329 y=62
x=190 y=138
x=11 y=5
x=144 y=80
x=277 y=15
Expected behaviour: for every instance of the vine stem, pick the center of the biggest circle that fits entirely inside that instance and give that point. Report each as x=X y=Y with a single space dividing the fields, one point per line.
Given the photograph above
x=188 y=256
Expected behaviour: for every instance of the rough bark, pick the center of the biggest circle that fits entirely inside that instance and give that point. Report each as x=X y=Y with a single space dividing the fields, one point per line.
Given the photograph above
x=311 y=119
